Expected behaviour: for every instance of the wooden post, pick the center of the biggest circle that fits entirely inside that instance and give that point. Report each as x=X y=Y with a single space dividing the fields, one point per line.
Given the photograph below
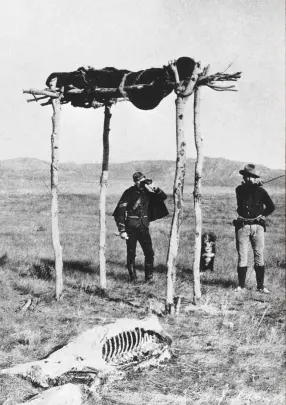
x=197 y=196
x=54 y=190
x=178 y=202
x=183 y=95
x=102 y=199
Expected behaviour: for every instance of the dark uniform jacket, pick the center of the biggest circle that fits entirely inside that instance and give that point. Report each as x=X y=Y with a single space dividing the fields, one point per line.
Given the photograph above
x=139 y=206
x=252 y=201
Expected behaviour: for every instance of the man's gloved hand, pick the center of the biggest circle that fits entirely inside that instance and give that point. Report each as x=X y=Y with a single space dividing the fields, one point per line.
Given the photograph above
x=151 y=187
x=123 y=235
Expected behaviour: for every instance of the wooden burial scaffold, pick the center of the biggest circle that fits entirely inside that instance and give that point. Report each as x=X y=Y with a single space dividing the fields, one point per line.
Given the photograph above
x=108 y=96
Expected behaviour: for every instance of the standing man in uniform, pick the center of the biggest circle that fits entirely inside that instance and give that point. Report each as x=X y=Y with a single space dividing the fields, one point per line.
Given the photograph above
x=253 y=206
x=139 y=205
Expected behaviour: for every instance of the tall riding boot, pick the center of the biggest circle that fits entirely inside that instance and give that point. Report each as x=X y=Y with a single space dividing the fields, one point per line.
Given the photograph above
x=259 y=270
x=131 y=270
x=149 y=277
x=241 y=272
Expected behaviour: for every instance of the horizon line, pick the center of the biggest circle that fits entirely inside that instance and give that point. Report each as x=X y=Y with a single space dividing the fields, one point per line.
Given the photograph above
x=136 y=160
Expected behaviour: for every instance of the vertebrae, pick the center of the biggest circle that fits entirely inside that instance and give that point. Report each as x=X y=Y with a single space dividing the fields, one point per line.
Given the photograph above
x=129 y=345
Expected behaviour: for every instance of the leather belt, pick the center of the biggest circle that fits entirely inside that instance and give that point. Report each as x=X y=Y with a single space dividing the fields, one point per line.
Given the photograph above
x=251 y=222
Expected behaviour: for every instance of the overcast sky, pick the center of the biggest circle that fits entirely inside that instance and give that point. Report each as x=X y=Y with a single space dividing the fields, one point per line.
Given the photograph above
x=41 y=37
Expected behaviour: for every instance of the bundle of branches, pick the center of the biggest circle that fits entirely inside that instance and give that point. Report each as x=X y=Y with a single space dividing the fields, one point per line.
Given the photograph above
x=89 y=87
x=212 y=80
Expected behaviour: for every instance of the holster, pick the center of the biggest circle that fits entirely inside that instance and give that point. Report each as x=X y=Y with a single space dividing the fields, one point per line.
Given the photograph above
x=262 y=223
x=238 y=224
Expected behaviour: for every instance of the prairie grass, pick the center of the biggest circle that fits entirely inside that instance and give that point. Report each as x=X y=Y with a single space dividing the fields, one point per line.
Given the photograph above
x=228 y=350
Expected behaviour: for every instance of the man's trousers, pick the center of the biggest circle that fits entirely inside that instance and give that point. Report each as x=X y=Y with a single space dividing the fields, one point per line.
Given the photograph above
x=142 y=235
x=255 y=235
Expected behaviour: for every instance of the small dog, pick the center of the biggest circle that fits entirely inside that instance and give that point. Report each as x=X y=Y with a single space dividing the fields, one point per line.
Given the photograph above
x=208 y=251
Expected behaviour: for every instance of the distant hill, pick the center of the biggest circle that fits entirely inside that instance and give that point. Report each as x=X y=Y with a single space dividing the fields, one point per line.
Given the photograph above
x=26 y=165
x=25 y=173
x=216 y=171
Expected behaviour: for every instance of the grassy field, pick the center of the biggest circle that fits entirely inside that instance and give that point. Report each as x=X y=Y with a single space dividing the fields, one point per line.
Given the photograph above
x=227 y=350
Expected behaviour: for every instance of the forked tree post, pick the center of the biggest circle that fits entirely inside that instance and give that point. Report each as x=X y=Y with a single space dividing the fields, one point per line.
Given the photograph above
x=197 y=195
x=102 y=198
x=54 y=191
x=183 y=93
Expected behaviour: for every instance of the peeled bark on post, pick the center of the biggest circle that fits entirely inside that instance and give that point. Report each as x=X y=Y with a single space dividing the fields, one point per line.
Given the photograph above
x=102 y=199
x=197 y=196
x=183 y=95
x=178 y=202
x=54 y=190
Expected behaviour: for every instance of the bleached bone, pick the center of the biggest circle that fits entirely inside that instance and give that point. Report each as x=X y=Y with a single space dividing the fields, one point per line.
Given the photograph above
x=100 y=349
x=68 y=394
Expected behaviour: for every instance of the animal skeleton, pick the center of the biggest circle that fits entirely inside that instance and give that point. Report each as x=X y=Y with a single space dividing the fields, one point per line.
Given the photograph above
x=99 y=351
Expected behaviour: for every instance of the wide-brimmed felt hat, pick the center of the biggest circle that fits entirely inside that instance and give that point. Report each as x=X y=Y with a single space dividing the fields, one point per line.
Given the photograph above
x=138 y=176
x=249 y=170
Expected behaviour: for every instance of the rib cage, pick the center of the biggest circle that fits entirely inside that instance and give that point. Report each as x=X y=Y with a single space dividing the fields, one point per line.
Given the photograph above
x=128 y=345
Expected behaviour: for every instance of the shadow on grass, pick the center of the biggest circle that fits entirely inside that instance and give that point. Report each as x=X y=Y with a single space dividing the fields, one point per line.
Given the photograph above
x=161 y=268
x=97 y=291
x=186 y=274
x=3 y=260
x=158 y=268
x=219 y=282
x=123 y=276
x=45 y=269
x=80 y=266
x=119 y=271
x=282 y=264
x=113 y=263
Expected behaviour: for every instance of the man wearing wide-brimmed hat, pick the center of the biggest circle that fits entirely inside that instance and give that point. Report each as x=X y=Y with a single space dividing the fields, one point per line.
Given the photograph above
x=139 y=205
x=253 y=206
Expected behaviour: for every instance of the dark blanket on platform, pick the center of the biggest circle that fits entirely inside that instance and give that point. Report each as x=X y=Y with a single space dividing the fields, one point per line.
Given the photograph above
x=160 y=80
